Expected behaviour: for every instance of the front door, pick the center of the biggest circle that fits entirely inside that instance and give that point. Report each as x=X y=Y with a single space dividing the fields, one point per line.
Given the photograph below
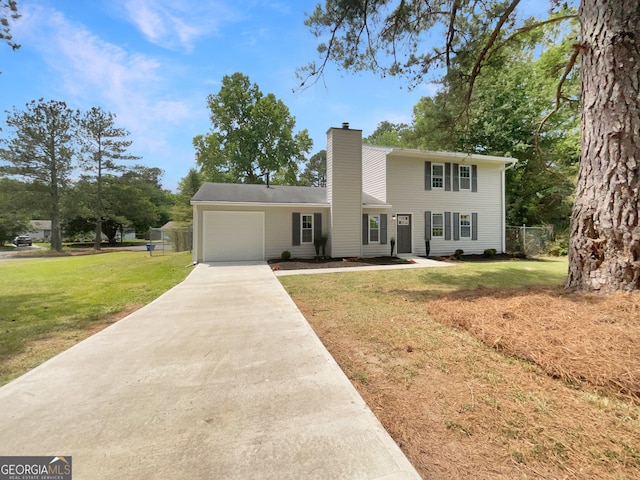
x=404 y=233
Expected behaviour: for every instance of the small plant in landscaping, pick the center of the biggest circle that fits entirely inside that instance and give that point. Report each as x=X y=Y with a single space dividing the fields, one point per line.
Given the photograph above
x=392 y=242
x=458 y=254
x=285 y=255
x=324 y=239
x=275 y=267
x=317 y=243
x=490 y=252
x=427 y=246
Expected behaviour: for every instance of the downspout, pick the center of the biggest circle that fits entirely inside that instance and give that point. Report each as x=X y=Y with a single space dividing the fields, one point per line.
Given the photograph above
x=504 y=205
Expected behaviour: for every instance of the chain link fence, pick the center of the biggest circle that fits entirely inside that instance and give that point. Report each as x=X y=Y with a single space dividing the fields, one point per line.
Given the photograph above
x=530 y=241
x=173 y=239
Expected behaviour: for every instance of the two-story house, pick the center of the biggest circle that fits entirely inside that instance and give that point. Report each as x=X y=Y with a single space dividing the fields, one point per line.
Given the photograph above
x=373 y=194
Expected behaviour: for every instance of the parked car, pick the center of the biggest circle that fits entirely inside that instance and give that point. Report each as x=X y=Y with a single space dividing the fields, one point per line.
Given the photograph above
x=22 y=240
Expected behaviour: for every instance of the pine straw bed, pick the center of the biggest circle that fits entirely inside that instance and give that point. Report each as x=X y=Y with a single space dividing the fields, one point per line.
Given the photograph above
x=461 y=410
x=576 y=337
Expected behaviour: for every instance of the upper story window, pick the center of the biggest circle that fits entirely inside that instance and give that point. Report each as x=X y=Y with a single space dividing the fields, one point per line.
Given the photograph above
x=465 y=226
x=374 y=228
x=437 y=225
x=465 y=177
x=437 y=175
x=307 y=228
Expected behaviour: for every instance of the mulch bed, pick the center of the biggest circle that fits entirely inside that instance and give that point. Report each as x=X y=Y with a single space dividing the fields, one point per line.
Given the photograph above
x=303 y=263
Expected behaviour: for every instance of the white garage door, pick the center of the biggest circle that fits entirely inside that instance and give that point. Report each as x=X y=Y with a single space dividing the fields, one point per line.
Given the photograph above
x=233 y=236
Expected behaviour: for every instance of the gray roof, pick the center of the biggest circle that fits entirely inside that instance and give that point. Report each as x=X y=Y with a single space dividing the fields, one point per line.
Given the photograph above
x=277 y=194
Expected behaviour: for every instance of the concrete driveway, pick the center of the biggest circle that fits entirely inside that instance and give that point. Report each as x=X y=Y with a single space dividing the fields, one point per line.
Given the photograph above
x=219 y=378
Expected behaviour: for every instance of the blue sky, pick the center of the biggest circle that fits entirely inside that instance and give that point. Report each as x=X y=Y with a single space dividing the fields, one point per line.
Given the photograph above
x=153 y=63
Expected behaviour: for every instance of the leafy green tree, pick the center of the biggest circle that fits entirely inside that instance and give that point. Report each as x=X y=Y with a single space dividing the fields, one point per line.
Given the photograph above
x=41 y=149
x=315 y=171
x=14 y=210
x=103 y=144
x=182 y=212
x=389 y=134
x=132 y=199
x=252 y=136
x=390 y=38
x=137 y=196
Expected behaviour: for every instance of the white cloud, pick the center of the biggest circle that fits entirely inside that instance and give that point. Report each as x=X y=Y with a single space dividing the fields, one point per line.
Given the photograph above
x=89 y=71
x=176 y=25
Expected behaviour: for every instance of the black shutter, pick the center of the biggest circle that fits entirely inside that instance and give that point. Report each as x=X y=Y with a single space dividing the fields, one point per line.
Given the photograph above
x=295 y=229
x=456 y=177
x=474 y=178
x=365 y=229
x=456 y=226
x=474 y=226
x=383 y=229
x=317 y=226
x=447 y=225
x=447 y=177
x=427 y=175
x=427 y=225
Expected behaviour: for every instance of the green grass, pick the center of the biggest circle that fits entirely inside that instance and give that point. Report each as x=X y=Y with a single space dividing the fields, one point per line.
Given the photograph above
x=61 y=297
x=509 y=274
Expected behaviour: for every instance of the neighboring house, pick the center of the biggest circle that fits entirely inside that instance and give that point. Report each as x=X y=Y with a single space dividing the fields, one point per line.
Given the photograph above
x=40 y=230
x=373 y=194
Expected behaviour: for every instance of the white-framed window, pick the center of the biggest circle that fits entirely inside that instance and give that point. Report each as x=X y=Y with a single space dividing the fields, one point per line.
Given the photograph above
x=465 y=226
x=374 y=228
x=306 y=227
x=437 y=175
x=437 y=225
x=465 y=177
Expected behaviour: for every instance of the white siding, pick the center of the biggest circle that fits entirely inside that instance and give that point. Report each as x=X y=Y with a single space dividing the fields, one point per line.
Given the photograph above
x=406 y=192
x=344 y=181
x=377 y=249
x=277 y=229
x=374 y=172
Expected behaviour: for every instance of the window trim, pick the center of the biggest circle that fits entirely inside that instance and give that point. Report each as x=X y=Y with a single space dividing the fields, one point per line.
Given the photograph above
x=441 y=177
x=468 y=178
x=470 y=226
x=302 y=229
x=433 y=225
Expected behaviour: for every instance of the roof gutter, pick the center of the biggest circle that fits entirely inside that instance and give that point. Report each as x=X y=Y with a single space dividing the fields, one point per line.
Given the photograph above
x=257 y=204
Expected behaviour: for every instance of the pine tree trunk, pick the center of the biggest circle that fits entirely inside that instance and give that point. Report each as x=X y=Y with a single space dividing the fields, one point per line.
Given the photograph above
x=54 y=195
x=604 y=250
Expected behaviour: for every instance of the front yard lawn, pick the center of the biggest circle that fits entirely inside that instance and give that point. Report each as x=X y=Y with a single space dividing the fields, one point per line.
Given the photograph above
x=488 y=370
x=49 y=304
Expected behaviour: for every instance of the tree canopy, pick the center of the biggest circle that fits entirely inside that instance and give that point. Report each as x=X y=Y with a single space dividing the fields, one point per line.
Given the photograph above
x=252 y=138
x=315 y=171
x=42 y=150
x=103 y=144
x=63 y=165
